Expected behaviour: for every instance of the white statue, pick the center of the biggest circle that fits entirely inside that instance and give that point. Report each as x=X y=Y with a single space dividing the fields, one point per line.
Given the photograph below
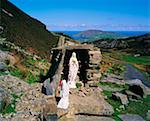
x=64 y=101
x=73 y=70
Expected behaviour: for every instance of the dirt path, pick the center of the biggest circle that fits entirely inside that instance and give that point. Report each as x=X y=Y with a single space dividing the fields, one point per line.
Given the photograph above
x=133 y=73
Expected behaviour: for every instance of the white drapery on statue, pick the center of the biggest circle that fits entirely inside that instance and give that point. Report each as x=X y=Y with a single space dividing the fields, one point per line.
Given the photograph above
x=73 y=70
x=64 y=101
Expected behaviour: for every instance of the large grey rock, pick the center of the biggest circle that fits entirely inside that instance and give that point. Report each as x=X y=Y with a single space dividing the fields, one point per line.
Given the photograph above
x=3 y=55
x=5 y=99
x=4 y=119
x=137 y=87
x=14 y=84
x=52 y=118
x=148 y=115
x=6 y=56
x=132 y=95
x=50 y=107
x=121 y=97
x=131 y=117
x=93 y=118
x=3 y=66
x=32 y=104
x=86 y=101
x=91 y=103
x=24 y=117
x=114 y=79
x=48 y=87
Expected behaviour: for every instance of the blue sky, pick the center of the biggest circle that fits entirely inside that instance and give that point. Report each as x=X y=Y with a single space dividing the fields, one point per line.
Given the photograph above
x=89 y=14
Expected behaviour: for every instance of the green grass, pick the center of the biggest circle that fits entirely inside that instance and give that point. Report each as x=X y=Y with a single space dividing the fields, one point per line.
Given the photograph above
x=32 y=79
x=147 y=75
x=145 y=60
x=28 y=62
x=113 y=85
x=116 y=118
x=138 y=107
x=11 y=107
x=116 y=69
x=3 y=73
x=107 y=93
x=132 y=108
x=115 y=104
x=78 y=84
x=14 y=71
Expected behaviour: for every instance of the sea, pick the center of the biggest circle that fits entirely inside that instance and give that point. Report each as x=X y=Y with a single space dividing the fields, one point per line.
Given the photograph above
x=121 y=33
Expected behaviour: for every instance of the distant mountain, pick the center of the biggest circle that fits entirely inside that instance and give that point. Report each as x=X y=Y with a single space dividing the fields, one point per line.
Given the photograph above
x=23 y=30
x=136 y=44
x=90 y=35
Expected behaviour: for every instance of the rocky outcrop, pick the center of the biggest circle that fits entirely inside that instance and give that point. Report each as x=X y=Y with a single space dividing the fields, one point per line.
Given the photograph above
x=114 y=79
x=32 y=104
x=7 y=57
x=121 y=97
x=131 y=117
x=137 y=87
x=3 y=67
x=148 y=115
x=5 y=99
x=93 y=118
x=14 y=84
x=86 y=101
x=136 y=44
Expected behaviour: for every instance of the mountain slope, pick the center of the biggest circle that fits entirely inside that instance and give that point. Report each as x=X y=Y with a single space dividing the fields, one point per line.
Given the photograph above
x=137 y=44
x=25 y=31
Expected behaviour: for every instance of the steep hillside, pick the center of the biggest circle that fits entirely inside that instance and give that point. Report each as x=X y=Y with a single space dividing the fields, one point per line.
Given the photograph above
x=25 y=31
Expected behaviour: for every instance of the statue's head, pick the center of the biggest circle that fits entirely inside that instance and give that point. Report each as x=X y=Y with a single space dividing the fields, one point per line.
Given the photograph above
x=74 y=54
x=73 y=58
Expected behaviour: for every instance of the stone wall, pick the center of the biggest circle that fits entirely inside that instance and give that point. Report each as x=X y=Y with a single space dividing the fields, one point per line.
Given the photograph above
x=93 y=73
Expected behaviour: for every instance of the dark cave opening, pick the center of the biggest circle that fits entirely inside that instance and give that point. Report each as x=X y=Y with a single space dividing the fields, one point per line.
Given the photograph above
x=83 y=59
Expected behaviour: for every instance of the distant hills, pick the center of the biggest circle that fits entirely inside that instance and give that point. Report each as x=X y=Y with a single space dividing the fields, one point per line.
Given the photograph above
x=25 y=31
x=136 y=44
x=90 y=35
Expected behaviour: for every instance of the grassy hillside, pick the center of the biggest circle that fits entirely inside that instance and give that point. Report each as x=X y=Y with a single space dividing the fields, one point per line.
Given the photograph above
x=25 y=31
x=136 y=45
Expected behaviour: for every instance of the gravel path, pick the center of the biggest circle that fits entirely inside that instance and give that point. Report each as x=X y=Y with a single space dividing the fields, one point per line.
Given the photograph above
x=133 y=73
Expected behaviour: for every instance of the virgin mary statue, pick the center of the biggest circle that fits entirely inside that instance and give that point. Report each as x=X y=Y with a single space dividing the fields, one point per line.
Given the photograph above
x=73 y=70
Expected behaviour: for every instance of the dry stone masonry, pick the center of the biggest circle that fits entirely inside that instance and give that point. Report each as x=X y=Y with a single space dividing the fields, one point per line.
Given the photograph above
x=89 y=58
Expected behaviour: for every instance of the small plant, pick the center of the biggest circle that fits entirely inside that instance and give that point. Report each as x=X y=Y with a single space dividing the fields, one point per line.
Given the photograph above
x=31 y=78
x=117 y=69
x=28 y=62
x=3 y=73
x=11 y=107
x=79 y=85
x=113 y=85
x=16 y=72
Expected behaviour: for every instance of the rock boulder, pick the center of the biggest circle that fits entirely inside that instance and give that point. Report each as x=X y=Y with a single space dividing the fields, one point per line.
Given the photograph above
x=121 y=97
x=131 y=117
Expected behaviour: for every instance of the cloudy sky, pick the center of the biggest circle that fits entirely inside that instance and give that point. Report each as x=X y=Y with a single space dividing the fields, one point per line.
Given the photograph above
x=128 y=15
